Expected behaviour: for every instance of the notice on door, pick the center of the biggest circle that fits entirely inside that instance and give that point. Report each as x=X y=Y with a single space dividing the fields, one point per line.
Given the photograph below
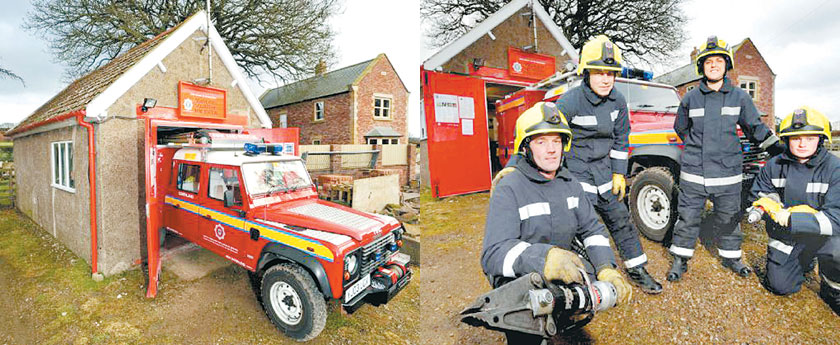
x=467 y=127
x=446 y=108
x=466 y=107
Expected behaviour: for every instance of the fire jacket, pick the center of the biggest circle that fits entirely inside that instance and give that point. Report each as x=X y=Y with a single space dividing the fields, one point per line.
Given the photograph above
x=815 y=183
x=706 y=123
x=600 y=129
x=529 y=214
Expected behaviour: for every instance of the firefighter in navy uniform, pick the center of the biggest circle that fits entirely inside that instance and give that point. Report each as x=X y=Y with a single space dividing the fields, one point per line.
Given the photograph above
x=538 y=209
x=711 y=163
x=597 y=115
x=800 y=191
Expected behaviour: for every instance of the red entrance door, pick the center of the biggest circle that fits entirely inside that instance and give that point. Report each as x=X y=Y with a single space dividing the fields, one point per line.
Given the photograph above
x=455 y=112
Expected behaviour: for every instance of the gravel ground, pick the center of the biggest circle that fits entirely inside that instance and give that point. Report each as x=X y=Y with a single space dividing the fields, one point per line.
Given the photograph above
x=709 y=306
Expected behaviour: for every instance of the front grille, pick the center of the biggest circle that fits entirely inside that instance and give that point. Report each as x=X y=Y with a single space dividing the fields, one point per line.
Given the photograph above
x=375 y=253
x=752 y=156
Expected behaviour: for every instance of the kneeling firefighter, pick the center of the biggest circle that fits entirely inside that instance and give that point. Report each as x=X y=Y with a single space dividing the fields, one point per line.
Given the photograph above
x=536 y=213
x=800 y=191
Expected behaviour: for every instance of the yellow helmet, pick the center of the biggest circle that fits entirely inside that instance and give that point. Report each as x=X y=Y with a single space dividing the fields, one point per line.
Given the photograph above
x=805 y=120
x=543 y=117
x=600 y=53
x=714 y=46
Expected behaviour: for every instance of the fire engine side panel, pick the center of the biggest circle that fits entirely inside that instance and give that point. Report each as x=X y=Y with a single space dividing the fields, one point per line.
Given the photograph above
x=509 y=110
x=458 y=140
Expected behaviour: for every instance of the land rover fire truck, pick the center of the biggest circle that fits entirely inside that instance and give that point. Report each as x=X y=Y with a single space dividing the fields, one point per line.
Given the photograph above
x=655 y=148
x=254 y=204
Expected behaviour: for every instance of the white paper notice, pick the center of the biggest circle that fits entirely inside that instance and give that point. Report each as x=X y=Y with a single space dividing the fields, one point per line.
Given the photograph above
x=446 y=108
x=466 y=107
x=467 y=127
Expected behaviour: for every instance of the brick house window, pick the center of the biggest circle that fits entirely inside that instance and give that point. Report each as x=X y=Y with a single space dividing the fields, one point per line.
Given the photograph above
x=319 y=111
x=750 y=85
x=689 y=88
x=282 y=121
x=383 y=141
x=381 y=108
x=316 y=141
x=62 y=166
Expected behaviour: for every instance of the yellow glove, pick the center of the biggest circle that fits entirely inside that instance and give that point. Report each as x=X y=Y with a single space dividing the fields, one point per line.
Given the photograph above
x=782 y=216
x=563 y=265
x=622 y=288
x=619 y=186
x=803 y=209
x=499 y=176
x=769 y=205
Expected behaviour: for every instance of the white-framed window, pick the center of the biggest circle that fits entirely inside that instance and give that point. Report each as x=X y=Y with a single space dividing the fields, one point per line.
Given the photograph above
x=319 y=111
x=690 y=87
x=283 y=120
x=373 y=141
x=383 y=141
x=62 y=165
x=316 y=141
x=381 y=107
x=750 y=85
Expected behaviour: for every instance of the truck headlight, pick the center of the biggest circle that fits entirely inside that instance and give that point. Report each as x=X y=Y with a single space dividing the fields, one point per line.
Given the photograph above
x=351 y=264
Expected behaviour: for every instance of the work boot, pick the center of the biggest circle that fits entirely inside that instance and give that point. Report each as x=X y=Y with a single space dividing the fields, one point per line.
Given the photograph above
x=641 y=278
x=678 y=267
x=737 y=266
x=830 y=295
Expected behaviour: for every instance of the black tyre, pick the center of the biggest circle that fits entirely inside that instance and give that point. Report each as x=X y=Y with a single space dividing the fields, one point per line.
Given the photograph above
x=653 y=203
x=292 y=301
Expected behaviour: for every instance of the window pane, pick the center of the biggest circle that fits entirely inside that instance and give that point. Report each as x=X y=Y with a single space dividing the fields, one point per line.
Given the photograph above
x=222 y=180
x=377 y=102
x=72 y=183
x=386 y=103
x=55 y=163
x=188 y=177
x=376 y=112
x=385 y=112
x=61 y=156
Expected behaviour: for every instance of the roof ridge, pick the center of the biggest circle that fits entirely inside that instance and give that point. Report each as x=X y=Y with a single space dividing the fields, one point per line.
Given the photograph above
x=325 y=74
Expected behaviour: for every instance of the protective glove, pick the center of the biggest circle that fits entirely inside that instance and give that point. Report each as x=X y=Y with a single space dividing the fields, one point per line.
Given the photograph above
x=782 y=216
x=776 y=149
x=802 y=209
x=769 y=205
x=619 y=186
x=622 y=288
x=563 y=265
x=499 y=176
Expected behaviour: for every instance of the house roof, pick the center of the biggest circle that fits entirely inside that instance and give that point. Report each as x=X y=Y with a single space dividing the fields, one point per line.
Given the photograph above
x=679 y=76
x=453 y=48
x=327 y=84
x=96 y=91
x=383 y=132
x=686 y=74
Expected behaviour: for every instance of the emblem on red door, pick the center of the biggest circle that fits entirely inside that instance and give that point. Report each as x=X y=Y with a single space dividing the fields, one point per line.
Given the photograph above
x=220 y=231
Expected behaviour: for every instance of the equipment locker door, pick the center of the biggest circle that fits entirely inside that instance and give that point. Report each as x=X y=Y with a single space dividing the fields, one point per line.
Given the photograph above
x=455 y=110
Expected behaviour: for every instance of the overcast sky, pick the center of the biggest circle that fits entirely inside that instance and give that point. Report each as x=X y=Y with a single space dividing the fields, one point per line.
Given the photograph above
x=364 y=29
x=799 y=39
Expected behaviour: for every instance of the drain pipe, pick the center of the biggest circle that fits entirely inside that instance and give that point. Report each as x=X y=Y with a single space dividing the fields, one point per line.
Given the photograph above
x=80 y=117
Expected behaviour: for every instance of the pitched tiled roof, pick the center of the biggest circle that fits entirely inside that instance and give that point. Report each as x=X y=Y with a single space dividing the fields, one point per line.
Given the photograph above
x=81 y=91
x=679 y=76
x=331 y=83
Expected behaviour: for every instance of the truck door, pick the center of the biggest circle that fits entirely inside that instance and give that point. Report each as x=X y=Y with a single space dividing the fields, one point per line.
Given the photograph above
x=455 y=110
x=224 y=228
x=181 y=212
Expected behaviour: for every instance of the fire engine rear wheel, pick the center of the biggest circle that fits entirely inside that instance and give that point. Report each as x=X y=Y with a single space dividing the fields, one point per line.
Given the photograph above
x=292 y=301
x=653 y=202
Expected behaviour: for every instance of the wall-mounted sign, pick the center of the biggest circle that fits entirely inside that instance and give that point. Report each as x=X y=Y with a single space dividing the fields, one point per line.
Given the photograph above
x=530 y=65
x=201 y=101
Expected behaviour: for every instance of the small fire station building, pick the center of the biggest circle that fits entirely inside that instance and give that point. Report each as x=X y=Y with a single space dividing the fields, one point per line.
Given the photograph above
x=515 y=47
x=53 y=154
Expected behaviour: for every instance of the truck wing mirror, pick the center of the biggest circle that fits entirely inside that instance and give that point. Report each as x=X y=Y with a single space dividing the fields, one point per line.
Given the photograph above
x=229 y=202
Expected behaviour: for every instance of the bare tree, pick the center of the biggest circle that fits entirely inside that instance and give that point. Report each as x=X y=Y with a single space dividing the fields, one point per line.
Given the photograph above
x=281 y=38
x=8 y=74
x=646 y=30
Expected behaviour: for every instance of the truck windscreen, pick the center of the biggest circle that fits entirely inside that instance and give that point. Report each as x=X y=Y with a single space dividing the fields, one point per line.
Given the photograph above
x=268 y=177
x=648 y=98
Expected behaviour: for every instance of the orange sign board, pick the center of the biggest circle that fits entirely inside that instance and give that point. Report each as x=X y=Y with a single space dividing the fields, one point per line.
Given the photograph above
x=530 y=65
x=201 y=101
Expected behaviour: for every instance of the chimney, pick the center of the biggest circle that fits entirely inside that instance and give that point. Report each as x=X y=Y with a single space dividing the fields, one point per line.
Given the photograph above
x=693 y=55
x=321 y=67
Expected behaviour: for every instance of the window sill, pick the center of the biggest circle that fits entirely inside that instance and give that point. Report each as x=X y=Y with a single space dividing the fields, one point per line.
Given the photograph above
x=66 y=189
x=317 y=121
x=383 y=118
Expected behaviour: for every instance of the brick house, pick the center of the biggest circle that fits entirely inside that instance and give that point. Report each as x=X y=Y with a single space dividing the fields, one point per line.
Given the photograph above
x=365 y=103
x=751 y=73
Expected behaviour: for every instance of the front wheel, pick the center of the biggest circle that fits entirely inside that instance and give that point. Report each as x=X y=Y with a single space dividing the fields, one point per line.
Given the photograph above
x=653 y=202
x=292 y=301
